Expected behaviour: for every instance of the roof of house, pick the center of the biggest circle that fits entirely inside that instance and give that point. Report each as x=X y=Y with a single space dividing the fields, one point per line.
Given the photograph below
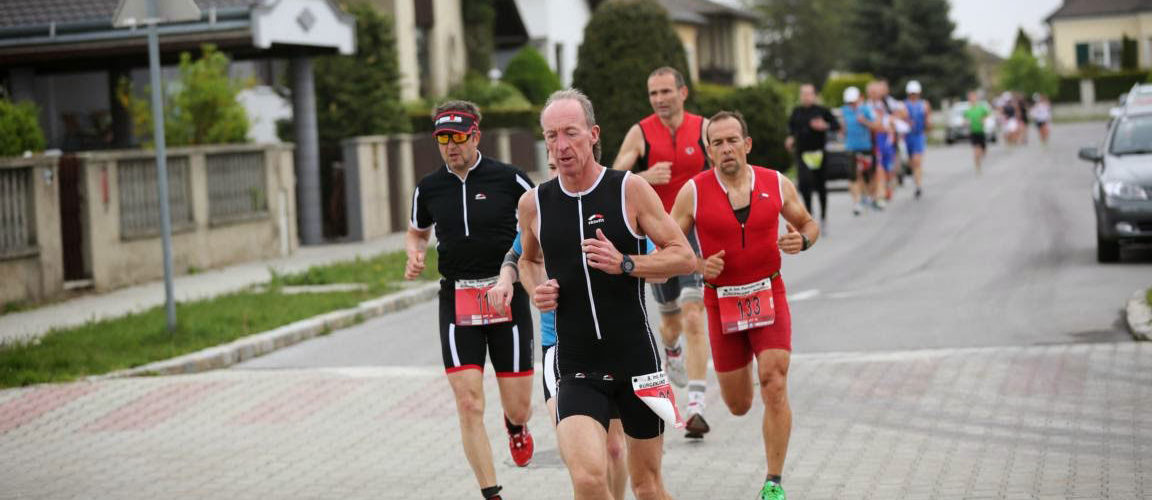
x=1099 y=8
x=17 y=13
x=698 y=11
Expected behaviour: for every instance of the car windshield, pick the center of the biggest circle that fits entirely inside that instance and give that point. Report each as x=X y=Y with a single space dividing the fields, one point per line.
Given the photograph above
x=1133 y=135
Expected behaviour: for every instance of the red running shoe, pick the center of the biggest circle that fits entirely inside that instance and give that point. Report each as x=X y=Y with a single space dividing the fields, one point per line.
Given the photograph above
x=520 y=444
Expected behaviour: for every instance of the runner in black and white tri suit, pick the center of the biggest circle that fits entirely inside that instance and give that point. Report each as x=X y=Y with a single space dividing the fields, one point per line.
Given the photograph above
x=584 y=233
x=471 y=201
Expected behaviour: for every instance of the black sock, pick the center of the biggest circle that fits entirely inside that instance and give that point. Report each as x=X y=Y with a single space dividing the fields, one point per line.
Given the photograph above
x=490 y=492
x=775 y=479
x=512 y=429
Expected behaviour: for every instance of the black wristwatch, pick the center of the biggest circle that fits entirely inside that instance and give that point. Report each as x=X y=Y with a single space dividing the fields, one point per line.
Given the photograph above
x=626 y=265
x=807 y=243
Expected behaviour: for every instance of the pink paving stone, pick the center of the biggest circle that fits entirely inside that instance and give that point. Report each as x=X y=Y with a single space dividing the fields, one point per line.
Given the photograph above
x=298 y=402
x=156 y=407
x=31 y=405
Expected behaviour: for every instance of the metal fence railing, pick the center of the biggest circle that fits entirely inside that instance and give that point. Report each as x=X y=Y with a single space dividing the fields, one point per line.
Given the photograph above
x=139 y=206
x=17 y=213
x=237 y=186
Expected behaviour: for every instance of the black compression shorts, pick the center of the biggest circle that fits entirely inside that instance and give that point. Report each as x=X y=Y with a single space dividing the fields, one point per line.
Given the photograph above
x=509 y=344
x=591 y=395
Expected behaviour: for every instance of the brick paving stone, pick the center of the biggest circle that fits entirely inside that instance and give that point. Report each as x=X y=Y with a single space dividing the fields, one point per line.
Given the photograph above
x=1006 y=423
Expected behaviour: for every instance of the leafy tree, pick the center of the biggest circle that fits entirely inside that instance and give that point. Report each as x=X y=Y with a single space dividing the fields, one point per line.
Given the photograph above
x=623 y=42
x=202 y=110
x=833 y=91
x=1023 y=42
x=1022 y=72
x=478 y=32
x=19 y=128
x=764 y=107
x=798 y=46
x=529 y=72
x=901 y=40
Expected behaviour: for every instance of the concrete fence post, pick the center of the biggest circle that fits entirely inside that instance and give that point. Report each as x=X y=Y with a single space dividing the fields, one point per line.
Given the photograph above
x=1087 y=92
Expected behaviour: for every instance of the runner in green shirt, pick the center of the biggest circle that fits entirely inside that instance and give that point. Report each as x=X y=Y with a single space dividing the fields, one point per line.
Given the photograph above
x=975 y=114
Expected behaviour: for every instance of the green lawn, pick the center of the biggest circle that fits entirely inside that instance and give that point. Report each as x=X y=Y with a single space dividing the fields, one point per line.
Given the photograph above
x=1148 y=297
x=138 y=339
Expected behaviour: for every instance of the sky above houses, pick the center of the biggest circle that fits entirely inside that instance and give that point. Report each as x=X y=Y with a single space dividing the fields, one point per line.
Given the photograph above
x=993 y=23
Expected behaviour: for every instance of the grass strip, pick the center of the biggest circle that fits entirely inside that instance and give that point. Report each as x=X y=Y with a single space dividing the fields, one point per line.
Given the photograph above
x=138 y=339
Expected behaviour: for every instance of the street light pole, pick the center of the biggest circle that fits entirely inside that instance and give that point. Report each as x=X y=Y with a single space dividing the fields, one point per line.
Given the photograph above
x=161 y=160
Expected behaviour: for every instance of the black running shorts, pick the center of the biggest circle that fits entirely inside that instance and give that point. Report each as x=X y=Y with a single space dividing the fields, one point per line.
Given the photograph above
x=509 y=344
x=591 y=395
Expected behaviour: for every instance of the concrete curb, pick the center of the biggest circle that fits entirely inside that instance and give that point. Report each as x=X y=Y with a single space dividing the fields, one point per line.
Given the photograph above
x=1139 y=316
x=223 y=356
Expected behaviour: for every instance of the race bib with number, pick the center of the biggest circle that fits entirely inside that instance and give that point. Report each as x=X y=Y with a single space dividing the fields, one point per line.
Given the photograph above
x=472 y=306
x=653 y=389
x=743 y=307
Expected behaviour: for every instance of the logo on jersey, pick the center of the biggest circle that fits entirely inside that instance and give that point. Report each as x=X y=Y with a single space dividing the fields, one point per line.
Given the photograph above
x=689 y=150
x=764 y=195
x=595 y=219
x=480 y=196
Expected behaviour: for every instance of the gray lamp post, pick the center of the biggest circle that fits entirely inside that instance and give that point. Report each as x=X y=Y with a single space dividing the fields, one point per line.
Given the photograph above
x=152 y=13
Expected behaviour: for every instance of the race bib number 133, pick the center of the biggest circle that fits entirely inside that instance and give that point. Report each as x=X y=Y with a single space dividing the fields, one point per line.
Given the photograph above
x=743 y=307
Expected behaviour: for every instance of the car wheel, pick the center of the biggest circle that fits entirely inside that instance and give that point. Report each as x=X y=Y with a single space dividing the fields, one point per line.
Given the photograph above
x=949 y=140
x=1107 y=250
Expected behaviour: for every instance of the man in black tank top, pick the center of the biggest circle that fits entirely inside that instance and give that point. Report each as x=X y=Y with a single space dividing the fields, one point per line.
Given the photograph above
x=584 y=233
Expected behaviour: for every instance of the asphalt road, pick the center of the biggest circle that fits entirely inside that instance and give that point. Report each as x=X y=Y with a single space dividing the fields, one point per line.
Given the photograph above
x=1002 y=258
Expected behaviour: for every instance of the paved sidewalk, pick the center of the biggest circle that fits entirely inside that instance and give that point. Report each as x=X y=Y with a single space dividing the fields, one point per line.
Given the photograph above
x=1060 y=421
x=36 y=322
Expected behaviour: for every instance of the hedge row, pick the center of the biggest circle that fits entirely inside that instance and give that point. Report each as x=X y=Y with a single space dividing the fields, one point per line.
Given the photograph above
x=1108 y=87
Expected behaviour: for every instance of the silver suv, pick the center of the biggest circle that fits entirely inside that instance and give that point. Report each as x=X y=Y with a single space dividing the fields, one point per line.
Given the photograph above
x=1123 y=188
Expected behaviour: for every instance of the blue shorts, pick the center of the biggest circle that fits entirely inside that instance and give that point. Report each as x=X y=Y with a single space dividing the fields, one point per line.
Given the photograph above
x=885 y=152
x=914 y=143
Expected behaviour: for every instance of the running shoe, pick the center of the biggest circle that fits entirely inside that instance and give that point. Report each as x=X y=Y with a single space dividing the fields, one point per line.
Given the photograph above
x=771 y=491
x=521 y=446
x=857 y=208
x=696 y=427
x=676 y=371
x=918 y=193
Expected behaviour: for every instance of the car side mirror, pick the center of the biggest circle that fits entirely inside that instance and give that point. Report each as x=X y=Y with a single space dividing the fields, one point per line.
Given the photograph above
x=1091 y=154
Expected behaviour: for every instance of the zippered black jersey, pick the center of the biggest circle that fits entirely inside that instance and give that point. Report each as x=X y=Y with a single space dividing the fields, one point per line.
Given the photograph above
x=475 y=218
x=601 y=322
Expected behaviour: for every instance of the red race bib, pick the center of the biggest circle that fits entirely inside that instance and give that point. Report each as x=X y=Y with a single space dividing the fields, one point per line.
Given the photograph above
x=472 y=306
x=743 y=307
x=654 y=391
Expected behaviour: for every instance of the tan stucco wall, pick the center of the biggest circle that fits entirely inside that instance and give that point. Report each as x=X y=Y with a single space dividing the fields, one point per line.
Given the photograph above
x=744 y=41
x=404 y=15
x=1066 y=33
x=688 y=34
x=449 y=60
x=374 y=189
x=41 y=275
x=118 y=262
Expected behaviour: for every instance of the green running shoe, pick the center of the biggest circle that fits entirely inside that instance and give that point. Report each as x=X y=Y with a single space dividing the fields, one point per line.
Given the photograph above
x=771 y=491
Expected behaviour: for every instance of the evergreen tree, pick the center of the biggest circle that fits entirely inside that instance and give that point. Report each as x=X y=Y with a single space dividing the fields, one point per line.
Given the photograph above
x=359 y=94
x=529 y=72
x=901 y=40
x=1023 y=42
x=623 y=42
x=796 y=38
x=19 y=128
x=479 y=26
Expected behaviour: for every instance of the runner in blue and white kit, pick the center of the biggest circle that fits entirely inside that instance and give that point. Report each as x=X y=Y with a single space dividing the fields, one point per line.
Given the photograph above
x=920 y=118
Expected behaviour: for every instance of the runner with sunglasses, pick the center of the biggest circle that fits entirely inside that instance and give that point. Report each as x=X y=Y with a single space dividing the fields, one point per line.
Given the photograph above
x=472 y=204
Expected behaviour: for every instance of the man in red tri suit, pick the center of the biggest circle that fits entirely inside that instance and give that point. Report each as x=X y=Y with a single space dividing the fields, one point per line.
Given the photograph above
x=667 y=149
x=734 y=211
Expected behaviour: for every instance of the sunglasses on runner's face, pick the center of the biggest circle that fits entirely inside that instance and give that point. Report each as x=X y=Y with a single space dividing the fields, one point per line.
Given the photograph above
x=456 y=138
